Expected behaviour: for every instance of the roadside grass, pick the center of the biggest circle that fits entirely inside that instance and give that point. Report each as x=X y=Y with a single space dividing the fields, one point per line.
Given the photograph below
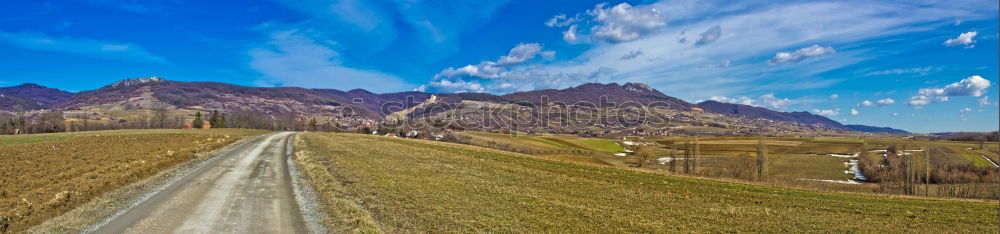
x=407 y=185
x=46 y=175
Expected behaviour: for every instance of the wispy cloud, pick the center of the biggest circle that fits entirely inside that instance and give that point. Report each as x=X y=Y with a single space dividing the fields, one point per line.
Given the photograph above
x=632 y=55
x=918 y=71
x=79 y=46
x=803 y=30
x=709 y=36
x=800 y=54
x=293 y=58
x=367 y=28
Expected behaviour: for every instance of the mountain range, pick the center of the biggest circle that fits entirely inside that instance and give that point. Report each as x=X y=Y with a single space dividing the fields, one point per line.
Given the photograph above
x=156 y=93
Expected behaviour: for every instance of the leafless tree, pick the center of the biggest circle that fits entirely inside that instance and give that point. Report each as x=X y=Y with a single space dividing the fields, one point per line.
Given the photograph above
x=761 y=159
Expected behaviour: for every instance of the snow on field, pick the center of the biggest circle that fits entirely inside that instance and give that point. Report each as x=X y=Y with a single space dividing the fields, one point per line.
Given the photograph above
x=844 y=155
x=855 y=170
x=835 y=181
x=621 y=154
x=664 y=160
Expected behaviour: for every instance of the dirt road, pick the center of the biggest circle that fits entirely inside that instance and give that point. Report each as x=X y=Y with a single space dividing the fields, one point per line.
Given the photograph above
x=247 y=189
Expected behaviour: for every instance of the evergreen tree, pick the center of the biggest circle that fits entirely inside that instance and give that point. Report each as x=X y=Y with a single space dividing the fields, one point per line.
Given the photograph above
x=198 y=122
x=214 y=120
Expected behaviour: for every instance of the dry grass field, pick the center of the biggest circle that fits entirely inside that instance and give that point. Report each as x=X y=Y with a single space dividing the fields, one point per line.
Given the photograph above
x=45 y=175
x=383 y=184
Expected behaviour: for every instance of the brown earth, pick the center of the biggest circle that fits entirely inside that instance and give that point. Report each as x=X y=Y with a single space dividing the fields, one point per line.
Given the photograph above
x=44 y=180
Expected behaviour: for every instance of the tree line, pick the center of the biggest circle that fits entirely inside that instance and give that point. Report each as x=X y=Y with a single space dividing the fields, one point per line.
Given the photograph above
x=58 y=121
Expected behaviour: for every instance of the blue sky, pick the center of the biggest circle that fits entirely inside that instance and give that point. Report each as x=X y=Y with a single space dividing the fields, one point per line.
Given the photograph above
x=923 y=66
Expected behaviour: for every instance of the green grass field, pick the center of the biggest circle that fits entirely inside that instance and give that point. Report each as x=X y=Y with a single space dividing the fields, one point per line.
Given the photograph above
x=600 y=145
x=381 y=184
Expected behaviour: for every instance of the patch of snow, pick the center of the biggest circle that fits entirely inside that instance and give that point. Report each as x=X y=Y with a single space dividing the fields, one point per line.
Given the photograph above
x=664 y=160
x=620 y=154
x=855 y=170
x=835 y=181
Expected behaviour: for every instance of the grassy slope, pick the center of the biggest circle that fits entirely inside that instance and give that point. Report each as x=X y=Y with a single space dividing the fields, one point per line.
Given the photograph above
x=400 y=185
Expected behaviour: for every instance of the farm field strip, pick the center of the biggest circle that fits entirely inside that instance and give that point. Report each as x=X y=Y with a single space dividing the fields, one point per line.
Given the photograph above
x=404 y=185
x=46 y=178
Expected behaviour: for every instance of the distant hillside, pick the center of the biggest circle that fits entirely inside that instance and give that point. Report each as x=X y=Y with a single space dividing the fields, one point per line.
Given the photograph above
x=967 y=136
x=133 y=97
x=374 y=102
x=593 y=93
x=866 y=128
x=14 y=103
x=147 y=93
x=760 y=112
x=46 y=97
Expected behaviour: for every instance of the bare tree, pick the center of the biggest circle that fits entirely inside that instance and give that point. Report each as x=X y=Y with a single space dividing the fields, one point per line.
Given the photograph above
x=687 y=156
x=642 y=154
x=761 y=159
x=697 y=156
x=673 y=159
x=160 y=117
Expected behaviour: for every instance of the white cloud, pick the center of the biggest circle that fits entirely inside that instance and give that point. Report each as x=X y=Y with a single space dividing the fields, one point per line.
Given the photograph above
x=972 y=86
x=834 y=96
x=79 y=46
x=632 y=55
x=767 y=100
x=984 y=101
x=673 y=68
x=854 y=112
x=828 y=113
x=887 y=101
x=618 y=23
x=570 y=34
x=800 y=54
x=623 y=22
x=919 y=101
x=866 y=103
x=292 y=58
x=562 y=21
x=965 y=110
x=521 y=53
x=963 y=39
x=509 y=73
x=460 y=86
x=711 y=35
x=895 y=113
